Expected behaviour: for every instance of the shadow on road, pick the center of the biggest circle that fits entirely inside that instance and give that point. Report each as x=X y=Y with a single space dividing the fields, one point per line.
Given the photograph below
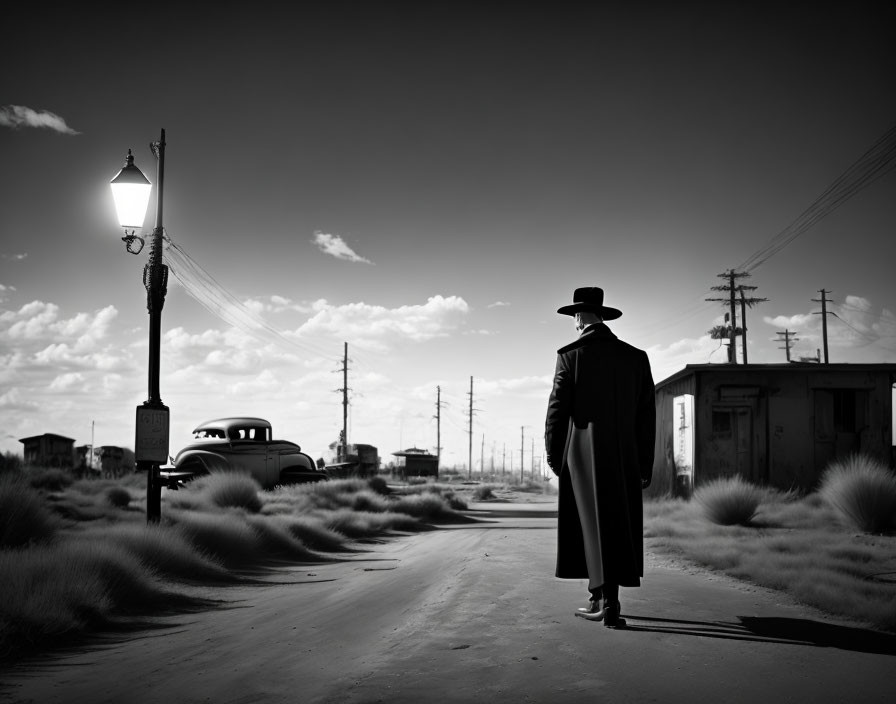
x=790 y=631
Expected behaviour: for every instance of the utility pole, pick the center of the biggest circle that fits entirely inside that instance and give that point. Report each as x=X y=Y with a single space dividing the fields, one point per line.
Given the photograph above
x=343 y=444
x=532 y=458
x=470 y=432
x=482 y=457
x=438 y=418
x=824 y=320
x=731 y=288
x=522 y=445
x=503 y=457
x=788 y=341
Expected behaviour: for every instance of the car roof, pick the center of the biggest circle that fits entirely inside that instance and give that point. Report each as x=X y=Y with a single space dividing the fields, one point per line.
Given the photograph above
x=226 y=423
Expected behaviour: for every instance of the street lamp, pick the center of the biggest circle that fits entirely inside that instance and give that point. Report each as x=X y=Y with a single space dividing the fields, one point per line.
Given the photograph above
x=131 y=190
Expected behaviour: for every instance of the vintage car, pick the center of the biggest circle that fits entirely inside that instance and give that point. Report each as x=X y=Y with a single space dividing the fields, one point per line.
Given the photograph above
x=244 y=445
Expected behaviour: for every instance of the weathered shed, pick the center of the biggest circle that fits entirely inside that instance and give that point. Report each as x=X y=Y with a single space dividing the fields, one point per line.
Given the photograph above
x=775 y=424
x=417 y=463
x=49 y=450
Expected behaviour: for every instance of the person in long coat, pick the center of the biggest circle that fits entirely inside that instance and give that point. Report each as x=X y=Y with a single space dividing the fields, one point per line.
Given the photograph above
x=599 y=440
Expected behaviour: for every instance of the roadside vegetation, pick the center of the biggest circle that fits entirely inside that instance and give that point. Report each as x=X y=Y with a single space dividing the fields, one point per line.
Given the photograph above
x=834 y=549
x=76 y=556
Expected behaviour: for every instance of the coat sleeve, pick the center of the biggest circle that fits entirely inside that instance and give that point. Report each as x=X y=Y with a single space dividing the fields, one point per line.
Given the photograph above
x=559 y=413
x=646 y=422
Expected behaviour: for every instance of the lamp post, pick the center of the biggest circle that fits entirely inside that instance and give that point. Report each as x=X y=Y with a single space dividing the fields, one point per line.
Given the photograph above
x=131 y=191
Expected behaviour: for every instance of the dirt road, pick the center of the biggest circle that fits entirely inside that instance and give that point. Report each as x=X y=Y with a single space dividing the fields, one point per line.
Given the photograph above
x=472 y=614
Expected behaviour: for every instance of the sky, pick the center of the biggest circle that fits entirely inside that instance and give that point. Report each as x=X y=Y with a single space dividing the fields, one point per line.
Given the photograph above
x=428 y=183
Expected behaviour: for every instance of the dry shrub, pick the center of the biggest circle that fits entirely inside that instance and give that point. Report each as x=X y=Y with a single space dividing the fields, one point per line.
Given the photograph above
x=50 y=479
x=230 y=489
x=862 y=491
x=24 y=516
x=379 y=485
x=483 y=493
x=117 y=496
x=729 y=501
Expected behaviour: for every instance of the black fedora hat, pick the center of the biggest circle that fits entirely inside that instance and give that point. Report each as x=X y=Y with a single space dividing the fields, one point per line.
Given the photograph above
x=590 y=300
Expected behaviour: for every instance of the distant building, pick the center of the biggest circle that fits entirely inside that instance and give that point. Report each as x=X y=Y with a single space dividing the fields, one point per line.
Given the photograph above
x=49 y=450
x=415 y=462
x=360 y=461
x=775 y=424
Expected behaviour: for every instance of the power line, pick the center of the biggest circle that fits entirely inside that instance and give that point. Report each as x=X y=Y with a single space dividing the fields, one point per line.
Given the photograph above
x=220 y=302
x=872 y=165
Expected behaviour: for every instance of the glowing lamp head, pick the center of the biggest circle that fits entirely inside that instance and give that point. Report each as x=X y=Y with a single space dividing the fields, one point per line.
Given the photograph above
x=130 y=190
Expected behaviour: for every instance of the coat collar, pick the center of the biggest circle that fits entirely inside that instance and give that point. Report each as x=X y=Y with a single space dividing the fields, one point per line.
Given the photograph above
x=595 y=332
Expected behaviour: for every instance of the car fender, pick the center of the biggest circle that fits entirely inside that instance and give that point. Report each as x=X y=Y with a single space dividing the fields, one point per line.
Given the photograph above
x=208 y=461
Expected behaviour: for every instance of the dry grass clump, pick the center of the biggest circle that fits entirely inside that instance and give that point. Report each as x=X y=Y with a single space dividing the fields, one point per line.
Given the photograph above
x=230 y=489
x=225 y=536
x=863 y=492
x=446 y=491
x=364 y=524
x=117 y=496
x=279 y=541
x=24 y=515
x=312 y=532
x=58 y=590
x=795 y=546
x=729 y=501
x=166 y=550
x=424 y=506
x=50 y=479
x=483 y=492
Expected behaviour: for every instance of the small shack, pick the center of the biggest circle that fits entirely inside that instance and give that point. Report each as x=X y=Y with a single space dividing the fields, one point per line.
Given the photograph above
x=415 y=462
x=774 y=424
x=49 y=450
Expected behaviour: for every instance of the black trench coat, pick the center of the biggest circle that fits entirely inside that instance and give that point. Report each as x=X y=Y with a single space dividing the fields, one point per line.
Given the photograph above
x=599 y=437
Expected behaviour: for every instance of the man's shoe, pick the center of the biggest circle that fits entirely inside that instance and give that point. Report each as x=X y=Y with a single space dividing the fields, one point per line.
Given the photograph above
x=593 y=612
x=612 y=618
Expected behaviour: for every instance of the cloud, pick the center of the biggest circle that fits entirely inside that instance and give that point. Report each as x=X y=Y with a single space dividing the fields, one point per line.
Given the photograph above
x=336 y=247
x=497 y=304
x=67 y=382
x=16 y=116
x=787 y=322
x=277 y=304
x=15 y=257
x=666 y=360
x=40 y=321
x=374 y=325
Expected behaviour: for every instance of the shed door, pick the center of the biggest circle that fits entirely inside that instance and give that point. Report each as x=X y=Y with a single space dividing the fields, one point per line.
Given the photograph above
x=732 y=431
x=839 y=421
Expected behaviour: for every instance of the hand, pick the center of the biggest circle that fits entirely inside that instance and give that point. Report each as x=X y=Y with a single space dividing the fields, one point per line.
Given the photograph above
x=553 y=469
